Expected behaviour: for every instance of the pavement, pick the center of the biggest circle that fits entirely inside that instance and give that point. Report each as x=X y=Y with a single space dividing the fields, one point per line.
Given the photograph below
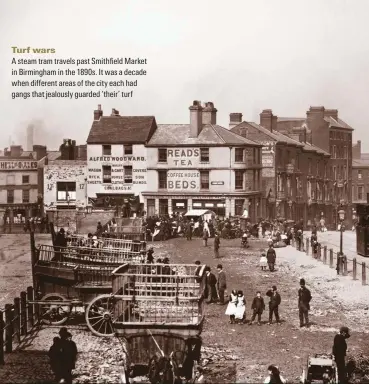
x=337 y=301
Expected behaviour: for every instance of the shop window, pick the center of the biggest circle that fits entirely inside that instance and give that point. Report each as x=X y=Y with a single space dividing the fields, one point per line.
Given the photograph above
x=25 y=179
x=238 y=208
x=150 y=207
x=209 y=205
x=128 y=174
x=66 y=191
x=360 y=193
x=359 y=174
x=239 y=179
x=204 y=179
x=197 y=205
x=163 y=206
x=106 y=174
x=106 y=150
x=10 y=196
x=162 y=179
x=239 y=155
x=162 y=155
x=10 y=180
x=25 y=196
x=204 y=155
x=128 y=149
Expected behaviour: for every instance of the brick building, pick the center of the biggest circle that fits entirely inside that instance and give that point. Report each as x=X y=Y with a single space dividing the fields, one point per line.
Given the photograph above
x=330 y=133
x=116 y=158
x=287 y=159
x=19 y=183
x=202 y=165
x=360 y=175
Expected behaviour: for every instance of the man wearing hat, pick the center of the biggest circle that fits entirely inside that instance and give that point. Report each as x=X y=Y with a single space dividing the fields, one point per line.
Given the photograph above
x=304 y=303
x=150 y=255
x=339 y=352
x=59 y=242
x=221 y=283
x=216 y=246
x=68 y=354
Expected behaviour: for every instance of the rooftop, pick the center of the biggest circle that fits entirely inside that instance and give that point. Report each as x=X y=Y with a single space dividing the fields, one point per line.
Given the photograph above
x=211 y=135
x=53 y=155
x=337 y=123
x=68 y=162
x=121 y=130
x=360 y=163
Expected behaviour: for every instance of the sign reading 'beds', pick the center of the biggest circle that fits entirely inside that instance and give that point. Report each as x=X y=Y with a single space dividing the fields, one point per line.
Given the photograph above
x=183 y=180
x=186 y=157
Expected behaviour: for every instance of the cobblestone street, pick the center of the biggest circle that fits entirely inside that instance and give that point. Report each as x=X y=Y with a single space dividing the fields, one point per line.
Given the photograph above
x=336 y=301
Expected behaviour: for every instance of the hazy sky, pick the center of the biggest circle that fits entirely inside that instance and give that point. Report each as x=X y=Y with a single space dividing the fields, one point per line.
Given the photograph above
x=243 y=55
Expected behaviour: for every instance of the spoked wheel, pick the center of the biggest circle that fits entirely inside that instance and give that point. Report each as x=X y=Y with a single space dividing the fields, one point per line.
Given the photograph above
x=54 y=314
x=100 y=317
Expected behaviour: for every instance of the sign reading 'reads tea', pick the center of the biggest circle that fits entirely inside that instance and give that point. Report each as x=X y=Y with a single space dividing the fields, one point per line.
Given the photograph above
x=183 y=180
x=186 y=157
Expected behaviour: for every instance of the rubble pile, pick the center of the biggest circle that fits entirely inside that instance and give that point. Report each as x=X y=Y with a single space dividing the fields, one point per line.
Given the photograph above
x=358 y=368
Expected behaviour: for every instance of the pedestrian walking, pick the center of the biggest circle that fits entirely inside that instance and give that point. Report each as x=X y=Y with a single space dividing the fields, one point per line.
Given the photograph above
x=221 y=284
x=68 y=350
x=232 y=306
x=304 y=298
x=271 y=257
x=211 y=285
x=216 y=246
x=189 y=231
x=258 y=307
x=240 y=315
x=207 y=228
x=314 y=244
x=339 y=352
x=274 y=302
x=299 y=238
x=205 y=237
x=274 y=376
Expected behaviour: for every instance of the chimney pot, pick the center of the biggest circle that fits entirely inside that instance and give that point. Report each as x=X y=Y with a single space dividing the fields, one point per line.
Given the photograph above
x=195 y=119
x=266 y=119
x=209 y=114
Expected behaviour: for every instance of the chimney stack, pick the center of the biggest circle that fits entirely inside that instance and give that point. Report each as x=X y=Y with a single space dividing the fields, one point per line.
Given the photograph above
x=234 y=119
x=318 y=132
x=98 y=112
x=331 y=113
x=30 y=135
x=209 y=114
x=266 y=119
x=40 y=150
x=16 y=151
x=195 y=119
x=356 y=150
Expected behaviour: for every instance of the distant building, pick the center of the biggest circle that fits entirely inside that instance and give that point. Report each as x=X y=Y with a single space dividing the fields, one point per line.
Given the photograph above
x=202 y=165
x=360 y=175
x=65 y=178
x=117 y=158
x=19 y=183
x=292 y=188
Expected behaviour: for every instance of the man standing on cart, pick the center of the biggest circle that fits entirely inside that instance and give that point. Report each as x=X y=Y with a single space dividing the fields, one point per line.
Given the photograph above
x=339 y=353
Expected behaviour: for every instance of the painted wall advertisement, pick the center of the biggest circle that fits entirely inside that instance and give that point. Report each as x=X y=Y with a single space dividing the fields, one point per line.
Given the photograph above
x=267 y=154
x=183 y=180
x=18 y=165
x=187 y=157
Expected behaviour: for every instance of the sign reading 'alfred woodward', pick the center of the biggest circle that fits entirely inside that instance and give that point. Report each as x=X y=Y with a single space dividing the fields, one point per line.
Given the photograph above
x=183 y=157
x=18 y=165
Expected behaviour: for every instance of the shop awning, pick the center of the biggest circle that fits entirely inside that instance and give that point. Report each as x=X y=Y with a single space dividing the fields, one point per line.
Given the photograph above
x=198 y=212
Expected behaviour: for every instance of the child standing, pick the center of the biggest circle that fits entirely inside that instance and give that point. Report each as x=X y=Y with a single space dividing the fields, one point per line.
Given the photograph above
x=232 y=306
x=263 y=261
x=240 y=315
x=258 y=307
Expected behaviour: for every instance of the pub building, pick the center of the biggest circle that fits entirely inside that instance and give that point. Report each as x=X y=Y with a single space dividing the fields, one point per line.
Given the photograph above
x=202 y=165
x=19 y=184
x=116 y=160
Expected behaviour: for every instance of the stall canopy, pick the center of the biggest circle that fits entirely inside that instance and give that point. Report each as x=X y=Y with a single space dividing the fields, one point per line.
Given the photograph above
x=206 y=214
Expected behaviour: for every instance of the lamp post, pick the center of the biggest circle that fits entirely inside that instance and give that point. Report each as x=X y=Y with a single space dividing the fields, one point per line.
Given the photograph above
x=341 y=216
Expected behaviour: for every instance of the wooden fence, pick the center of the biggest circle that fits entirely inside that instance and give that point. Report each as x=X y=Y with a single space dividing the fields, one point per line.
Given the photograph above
x=17 y=321
x=343 y=265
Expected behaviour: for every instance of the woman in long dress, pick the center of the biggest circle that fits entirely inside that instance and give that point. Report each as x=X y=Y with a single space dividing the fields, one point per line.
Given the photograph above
x=240 y=315
x=232 y=306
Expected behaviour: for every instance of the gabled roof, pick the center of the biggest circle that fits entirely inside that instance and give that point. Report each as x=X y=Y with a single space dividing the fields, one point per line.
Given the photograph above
x=275 y=135
x=179 y=134
x=313 y=148
x=337 y=123
x=121 y=130
x=53 y=155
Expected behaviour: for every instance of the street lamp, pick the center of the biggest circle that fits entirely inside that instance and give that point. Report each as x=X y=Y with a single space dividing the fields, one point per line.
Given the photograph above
x=341 y=216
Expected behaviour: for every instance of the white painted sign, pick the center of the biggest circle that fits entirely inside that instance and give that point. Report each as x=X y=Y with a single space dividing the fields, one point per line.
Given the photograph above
x=186 y=157
x=18 y=165
x=183 y=180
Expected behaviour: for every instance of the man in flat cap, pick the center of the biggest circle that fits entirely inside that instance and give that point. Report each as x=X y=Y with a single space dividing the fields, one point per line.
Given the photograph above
x=339 y=352
x=304 y=296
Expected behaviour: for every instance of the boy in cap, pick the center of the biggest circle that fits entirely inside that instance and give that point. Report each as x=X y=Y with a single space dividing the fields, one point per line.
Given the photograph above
x=68 y=355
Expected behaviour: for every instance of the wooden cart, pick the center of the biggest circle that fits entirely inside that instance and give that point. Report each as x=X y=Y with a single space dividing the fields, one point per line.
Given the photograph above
x=159 y=310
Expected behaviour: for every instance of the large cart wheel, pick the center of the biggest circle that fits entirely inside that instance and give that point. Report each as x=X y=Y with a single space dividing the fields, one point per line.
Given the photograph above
x=100 y=316
x=54 y=314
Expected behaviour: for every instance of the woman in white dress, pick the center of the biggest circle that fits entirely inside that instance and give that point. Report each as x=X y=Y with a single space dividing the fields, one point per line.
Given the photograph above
x=263 y=262
x=240 y=315
x=232 y=306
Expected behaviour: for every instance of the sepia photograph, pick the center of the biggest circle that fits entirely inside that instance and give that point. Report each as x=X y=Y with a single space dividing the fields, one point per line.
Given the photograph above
x=184 y=192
